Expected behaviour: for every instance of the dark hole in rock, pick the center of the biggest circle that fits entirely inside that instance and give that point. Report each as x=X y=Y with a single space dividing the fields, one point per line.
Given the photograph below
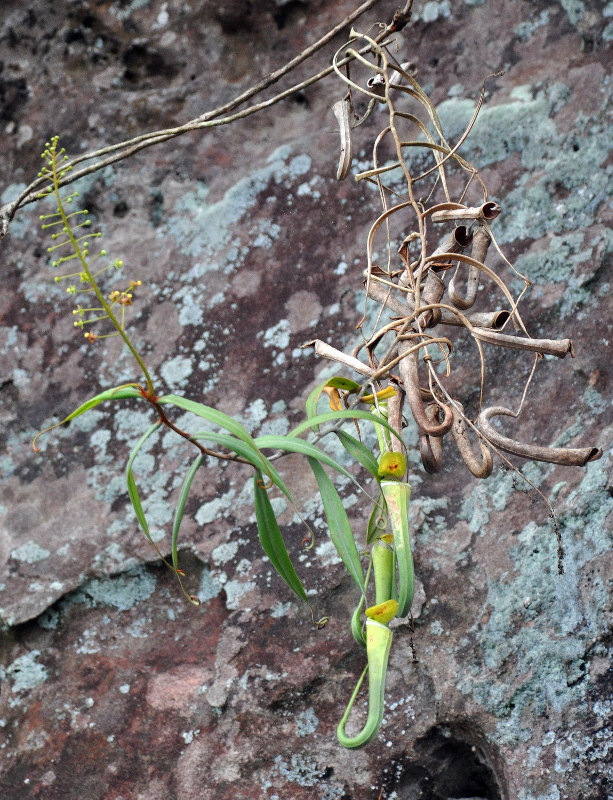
x=141 y=62
x=121 y=209
x=300 y=99
x=234 y=15
x=13 y=95
x=446 y=765
x=74 y=35
x=156 y=208
x=287 y=13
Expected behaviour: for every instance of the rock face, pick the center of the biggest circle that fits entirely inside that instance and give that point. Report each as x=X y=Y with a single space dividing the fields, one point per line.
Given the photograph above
x=114 y=686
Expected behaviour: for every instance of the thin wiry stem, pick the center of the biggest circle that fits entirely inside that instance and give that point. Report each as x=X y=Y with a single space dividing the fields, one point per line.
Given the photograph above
x=121 y=150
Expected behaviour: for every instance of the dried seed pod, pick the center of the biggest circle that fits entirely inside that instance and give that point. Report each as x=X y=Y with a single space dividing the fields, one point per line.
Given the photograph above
x=431 y=452
x=488 y=211
x=567 y=456
x=431 y=293
x=455 y=242
x=341 y=111
x=394 y=416
x=381 y=294
x=551 y=347
x=481 y=319
x=326 y=350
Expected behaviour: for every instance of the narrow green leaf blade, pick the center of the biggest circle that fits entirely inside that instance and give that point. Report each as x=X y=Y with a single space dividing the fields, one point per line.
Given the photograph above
x=336 y=383
x=359 y=452
x=132 y=489
x=334 y=416
x=211 y=414
x=293 y=445
x=239 y=447
x=119 y=393
x=216 y=417
x=272 y=540
x=338 y=524
x=180 y=509
x=377 y=522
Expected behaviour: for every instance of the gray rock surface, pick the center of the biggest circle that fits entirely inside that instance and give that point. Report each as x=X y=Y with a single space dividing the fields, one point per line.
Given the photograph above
x=115 y=688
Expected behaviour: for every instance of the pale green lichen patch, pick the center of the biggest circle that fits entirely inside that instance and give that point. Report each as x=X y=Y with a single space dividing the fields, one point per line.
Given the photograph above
x=303 y=770
x=281 y=610
x=206 y=231
x=575 y=9
x=26 y=673
x=21 y=224
x=549 y=652
x=475 y=509
x=224 y=552
x=306 y=722
x=527 y=28
x=212 y=510
x=30 y=552
x=433 y=10
x=218 y=236
x=209 y=586
x=122 y=591
x=235 y=590
x=124 y=11
x=277 y=336
x=176 y=372
x=255 y=413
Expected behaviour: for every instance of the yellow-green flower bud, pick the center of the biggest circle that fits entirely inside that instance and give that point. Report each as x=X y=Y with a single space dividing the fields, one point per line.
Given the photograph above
x=392 y=465
x=383 y=612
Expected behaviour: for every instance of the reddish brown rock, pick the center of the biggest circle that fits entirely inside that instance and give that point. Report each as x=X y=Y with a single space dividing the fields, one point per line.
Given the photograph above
x=114 y=687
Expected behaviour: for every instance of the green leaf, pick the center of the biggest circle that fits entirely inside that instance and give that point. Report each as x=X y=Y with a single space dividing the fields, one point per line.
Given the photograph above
x=343 y=383
x=239 y=447
x=217 y=418
x=338 y=524
x=118 y=393
x=293 y=445
x=335 y=383
x=377 y=522
x=187 y=485
x=334 y=416
x=132 y=490
x=272 y=540
x=359 y=452
x=356 y=623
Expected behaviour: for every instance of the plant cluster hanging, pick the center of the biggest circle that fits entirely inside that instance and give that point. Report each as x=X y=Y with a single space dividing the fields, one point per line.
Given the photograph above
x=431 y=240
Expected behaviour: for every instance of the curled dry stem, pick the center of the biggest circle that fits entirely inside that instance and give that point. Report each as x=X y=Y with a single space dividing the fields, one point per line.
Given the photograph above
x=408 y=368
x=480 y=466
x=567 y=456
x=481 y=242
